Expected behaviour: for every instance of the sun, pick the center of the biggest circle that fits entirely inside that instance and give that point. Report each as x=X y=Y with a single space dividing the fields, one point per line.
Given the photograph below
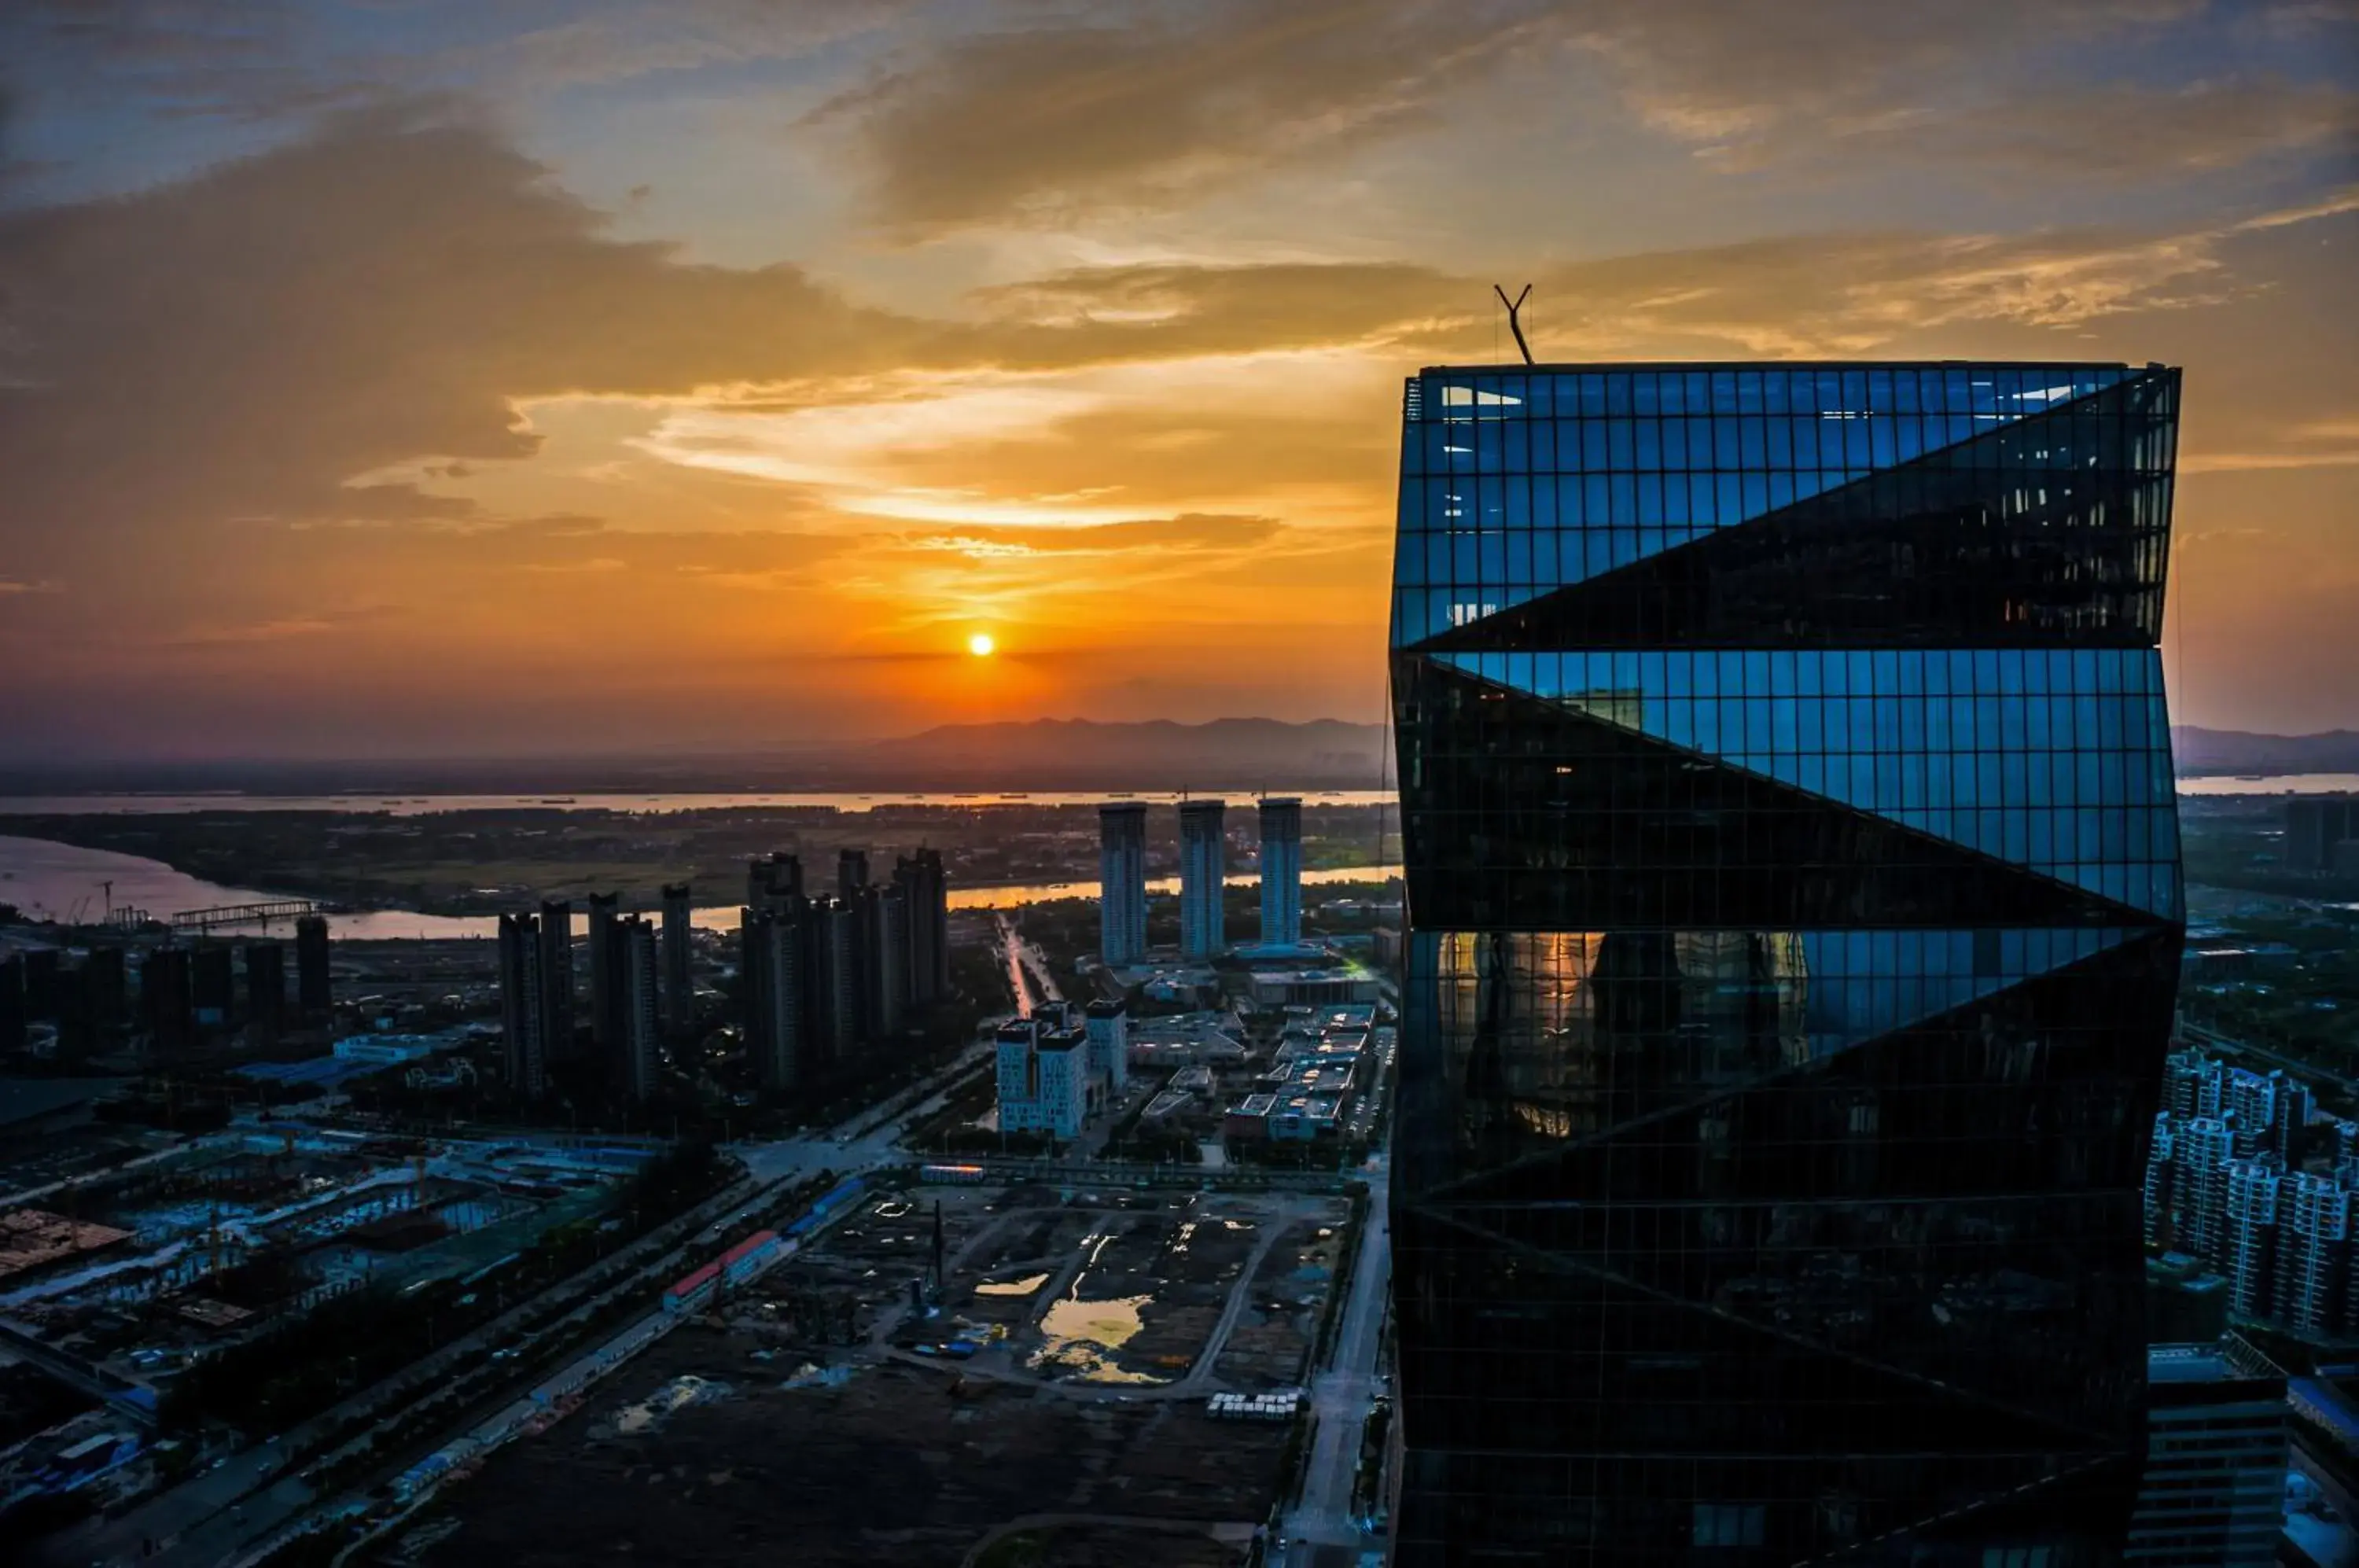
x=980 y=645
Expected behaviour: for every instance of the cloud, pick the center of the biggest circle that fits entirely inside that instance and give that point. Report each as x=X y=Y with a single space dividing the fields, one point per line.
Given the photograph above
x=1719 y=71
x=1187 y=533
x=247 y=61
x=1815 y=294
x=243 y=344
x=251 y=61
x=1139 y=102
x=394 y=367
x=1130 y=105
x=2111 y=132
x=619 y=40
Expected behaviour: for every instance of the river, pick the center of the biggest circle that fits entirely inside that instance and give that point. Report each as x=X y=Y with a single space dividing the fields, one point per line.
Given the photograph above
x=2271 y=784
x=67 y=882
x=424 y=805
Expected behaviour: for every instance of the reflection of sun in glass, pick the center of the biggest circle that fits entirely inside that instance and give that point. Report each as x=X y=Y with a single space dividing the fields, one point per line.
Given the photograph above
x=980 y=645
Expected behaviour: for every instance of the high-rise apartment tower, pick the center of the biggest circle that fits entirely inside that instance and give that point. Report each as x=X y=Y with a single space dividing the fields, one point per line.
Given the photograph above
x=928 y=890
x=556 y=936
x=1122 y=881
x=314 y=991
x=607 y=1026
x=523 y=1024
x=679 y=952
x=637 y=1049
x=1281 y=870
x=1203 y=862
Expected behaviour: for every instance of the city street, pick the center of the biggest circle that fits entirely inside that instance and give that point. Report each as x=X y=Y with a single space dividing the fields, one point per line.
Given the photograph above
x=1321 y=1524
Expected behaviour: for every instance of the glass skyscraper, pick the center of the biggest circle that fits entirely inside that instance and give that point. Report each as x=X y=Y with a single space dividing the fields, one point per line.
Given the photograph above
x=1795 y=913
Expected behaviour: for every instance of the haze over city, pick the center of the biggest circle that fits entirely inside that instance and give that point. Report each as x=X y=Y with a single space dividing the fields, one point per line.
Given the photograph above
x=433 y=379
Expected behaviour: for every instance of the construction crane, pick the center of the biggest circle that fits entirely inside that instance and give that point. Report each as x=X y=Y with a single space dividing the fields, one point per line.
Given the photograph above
x=260 y=914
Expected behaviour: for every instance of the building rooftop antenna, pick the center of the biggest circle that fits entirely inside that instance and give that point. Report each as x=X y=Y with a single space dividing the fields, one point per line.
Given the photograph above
x=1515 y=317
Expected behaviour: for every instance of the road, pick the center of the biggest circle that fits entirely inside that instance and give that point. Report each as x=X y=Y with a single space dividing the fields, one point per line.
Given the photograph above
x=2209 y=1038
x=1011 y=951
x=1028 y=975
x=1340 y=1396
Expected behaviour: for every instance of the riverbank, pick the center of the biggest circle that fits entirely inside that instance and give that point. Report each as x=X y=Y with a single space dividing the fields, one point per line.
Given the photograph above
x=480 y=863
x=78 y=886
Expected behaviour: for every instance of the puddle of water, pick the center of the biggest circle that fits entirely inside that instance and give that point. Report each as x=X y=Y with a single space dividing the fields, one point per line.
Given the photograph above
x=677 y=1395
x=1023 y=1287
x=1079 y=1336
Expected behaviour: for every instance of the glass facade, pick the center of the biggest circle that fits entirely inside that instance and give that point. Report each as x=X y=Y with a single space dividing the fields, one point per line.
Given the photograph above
x=1795 y=913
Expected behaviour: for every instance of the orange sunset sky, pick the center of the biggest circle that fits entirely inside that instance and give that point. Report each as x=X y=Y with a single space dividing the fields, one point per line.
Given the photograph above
x=417 y=377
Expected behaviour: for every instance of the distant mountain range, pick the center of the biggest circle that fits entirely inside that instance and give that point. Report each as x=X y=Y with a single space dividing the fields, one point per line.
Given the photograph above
x=1044 y=755
x=1079 y=753
x=2203 y=751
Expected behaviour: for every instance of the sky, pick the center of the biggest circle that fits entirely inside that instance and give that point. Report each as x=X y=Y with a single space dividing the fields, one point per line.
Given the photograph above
x=507 y=377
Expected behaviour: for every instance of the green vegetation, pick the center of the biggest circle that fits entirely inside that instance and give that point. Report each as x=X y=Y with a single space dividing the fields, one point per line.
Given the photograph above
x=2304 y=1004
x=2238 y=842
x=1020 y=1549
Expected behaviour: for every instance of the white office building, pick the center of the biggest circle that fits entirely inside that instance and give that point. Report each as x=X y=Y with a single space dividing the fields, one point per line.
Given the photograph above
x=1044 y=1076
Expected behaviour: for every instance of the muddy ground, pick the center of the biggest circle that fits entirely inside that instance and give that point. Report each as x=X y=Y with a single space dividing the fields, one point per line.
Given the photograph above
x=898 y=1468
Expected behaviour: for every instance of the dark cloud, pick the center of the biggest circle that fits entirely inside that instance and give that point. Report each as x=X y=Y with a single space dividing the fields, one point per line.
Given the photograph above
x=243 y=344
x=1139 y=102
x=2111 y=132
x=1127 y=104
x=234 y=60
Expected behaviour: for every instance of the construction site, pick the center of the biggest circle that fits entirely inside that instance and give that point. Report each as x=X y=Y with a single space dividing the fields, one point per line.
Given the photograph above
x=131 y=1276
x=1008 y=1377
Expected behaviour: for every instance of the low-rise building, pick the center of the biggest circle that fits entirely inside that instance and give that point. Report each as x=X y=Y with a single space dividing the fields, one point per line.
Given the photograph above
x=1196 y=1080
x=1185 y=1040
x=393 y=1050
x=1305 y=1117
x=1167 y=1104
x=1249 y=1117
x=1282 y=988
x=1043 y=1076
